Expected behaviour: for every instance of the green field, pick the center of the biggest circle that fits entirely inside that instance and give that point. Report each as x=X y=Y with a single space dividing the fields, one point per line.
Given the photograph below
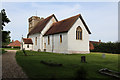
x=71 y=64
x=11 y=48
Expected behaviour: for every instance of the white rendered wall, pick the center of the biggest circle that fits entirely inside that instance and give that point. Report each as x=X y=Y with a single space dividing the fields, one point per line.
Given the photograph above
x=48 y=46
x=30 y=47
x=55 y=43
x=78 y=46
x=35 y=47
x=40 y=39
x=61 y=47
x=25 y=46
x=49 y=24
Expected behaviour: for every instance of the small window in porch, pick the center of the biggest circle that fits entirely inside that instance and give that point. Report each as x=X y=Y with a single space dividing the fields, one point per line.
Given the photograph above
x=28 y=46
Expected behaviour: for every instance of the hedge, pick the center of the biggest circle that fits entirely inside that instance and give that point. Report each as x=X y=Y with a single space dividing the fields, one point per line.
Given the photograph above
x=10 y=47
x=108 y=47
x=2 y=51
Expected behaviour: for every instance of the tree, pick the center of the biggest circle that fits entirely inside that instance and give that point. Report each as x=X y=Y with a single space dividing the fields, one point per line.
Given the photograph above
x=5 y=34
x=5 y=38
x=5 y=19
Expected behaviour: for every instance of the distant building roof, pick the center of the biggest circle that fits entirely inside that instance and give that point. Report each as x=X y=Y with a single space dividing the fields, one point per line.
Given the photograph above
x=27 y=40
x=14 y=43
x=91 y=46
x=65 y=25
x=96 y=42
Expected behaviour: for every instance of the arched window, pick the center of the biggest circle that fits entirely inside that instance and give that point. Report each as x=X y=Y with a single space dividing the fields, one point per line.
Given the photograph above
x=28 y=46
x=79 y=33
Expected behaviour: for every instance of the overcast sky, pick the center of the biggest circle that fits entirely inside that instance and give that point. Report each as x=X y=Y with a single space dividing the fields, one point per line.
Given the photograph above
x=101 y=17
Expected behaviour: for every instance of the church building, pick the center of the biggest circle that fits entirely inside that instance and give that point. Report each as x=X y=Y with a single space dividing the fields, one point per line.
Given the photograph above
x=68 y=36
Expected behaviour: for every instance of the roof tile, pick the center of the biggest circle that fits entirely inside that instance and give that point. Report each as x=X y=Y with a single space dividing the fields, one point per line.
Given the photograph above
x=65 y=25
x=27 y=40
x=15 y=43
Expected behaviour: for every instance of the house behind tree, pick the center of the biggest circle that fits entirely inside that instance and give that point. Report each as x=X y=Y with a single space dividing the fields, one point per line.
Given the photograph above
x=15 y=43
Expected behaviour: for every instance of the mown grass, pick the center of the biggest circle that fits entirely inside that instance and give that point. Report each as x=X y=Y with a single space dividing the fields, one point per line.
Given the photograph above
x=11 y=48
x=71 y=64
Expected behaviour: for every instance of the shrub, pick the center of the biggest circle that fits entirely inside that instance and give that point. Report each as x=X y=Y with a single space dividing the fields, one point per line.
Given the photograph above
x=17 y=47
x=2 y=51
x=107 y=47
x=10 y=47
x=6 y=46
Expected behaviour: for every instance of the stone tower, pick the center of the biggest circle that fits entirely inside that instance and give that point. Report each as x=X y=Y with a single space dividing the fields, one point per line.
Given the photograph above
x=33 y=21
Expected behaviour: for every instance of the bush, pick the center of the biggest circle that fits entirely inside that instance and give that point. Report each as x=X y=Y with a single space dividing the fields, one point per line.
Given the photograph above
x=2 y=51
x=10 y=47
x=17 y=47
x=107 y=47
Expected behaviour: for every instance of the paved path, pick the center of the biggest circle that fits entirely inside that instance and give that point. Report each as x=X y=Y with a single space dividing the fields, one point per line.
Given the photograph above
x=10 y=68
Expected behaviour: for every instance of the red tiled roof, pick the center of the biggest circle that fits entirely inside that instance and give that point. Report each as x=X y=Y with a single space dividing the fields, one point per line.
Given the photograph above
x=40 y=26
x=15 y=43
x=91 y=46
x=96 y=42
x=65 y=25
x=27 y=40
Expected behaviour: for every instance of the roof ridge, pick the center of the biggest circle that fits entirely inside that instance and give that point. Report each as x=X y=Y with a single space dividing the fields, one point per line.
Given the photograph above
x=26 y=38
x=69 y=18
x=66 y=19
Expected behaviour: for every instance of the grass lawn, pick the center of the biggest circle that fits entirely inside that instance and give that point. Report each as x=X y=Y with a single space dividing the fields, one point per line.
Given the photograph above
x=71 y=64
x=11 y=48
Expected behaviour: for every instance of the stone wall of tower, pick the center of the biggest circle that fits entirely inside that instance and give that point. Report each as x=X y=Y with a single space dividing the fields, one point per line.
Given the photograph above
x=33 y=21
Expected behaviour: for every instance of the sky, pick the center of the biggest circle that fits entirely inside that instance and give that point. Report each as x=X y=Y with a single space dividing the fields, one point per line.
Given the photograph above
x=101 y=17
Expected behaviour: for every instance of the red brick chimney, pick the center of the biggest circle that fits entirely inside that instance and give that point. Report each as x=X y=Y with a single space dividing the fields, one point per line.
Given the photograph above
x=12 y=41
x=99 y=41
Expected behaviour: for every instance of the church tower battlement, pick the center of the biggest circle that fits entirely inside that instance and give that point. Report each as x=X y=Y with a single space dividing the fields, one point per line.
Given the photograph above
x=33 y=21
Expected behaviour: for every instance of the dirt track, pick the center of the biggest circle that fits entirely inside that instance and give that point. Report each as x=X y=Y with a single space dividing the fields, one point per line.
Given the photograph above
x=10 y=68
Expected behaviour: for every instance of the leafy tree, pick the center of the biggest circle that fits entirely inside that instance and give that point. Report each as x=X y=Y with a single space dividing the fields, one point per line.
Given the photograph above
x=5 y=34
x=5 y=38
x=5 y=19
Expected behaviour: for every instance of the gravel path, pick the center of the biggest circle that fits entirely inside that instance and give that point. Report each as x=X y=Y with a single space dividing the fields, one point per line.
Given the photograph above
x=10 y=68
